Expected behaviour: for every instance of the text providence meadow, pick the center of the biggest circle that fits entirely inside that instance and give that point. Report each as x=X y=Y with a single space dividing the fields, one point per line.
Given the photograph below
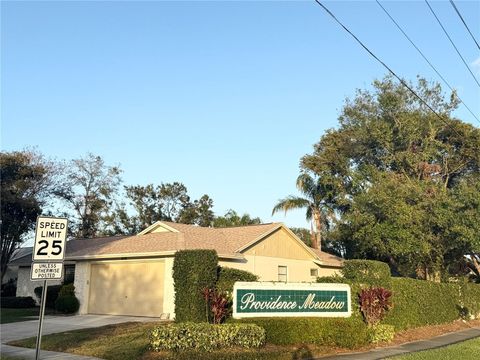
x=248 y=302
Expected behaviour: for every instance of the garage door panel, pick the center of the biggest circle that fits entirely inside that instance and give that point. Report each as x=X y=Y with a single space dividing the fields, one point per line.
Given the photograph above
x=127 y=289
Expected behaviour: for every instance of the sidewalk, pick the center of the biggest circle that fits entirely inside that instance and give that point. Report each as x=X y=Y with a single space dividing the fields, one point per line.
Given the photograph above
x=51 y=325
x=435 y=342
x=28 y=354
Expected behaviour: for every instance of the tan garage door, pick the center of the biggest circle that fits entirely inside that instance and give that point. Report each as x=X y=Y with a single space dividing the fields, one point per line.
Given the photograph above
x=128 y=288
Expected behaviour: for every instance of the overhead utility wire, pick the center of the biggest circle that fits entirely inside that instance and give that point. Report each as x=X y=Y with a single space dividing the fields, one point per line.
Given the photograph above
x=386 y=66
x=451 y=41
x=425 y=58
x=464 y=23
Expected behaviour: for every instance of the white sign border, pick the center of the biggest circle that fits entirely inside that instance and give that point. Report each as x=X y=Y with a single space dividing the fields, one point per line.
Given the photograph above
x=64 y=240
x=270 y=285
x=46 y=262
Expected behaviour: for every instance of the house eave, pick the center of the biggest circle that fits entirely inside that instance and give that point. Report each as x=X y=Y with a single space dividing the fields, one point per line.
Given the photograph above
x=144 y=255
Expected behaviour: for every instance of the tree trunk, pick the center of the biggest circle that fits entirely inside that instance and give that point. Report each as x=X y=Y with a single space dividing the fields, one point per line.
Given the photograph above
x=317 y=244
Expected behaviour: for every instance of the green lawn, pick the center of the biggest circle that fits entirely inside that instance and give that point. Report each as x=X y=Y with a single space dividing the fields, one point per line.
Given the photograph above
x=14 y=315
x=130 y=341
x=466 y=350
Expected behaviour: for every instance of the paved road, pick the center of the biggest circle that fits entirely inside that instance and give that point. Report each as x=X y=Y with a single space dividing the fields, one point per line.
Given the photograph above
x=56 y=324
x=384 y=353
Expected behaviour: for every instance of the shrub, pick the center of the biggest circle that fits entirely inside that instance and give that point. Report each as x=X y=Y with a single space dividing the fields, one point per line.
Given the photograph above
x=470 y=299
x=17 y=302
x=228 y=276
x=66 y=290
x=374 y=304
x=67 y=304
x=205 y=337
x=368 y=272
x=9 y=288
x=345 y=332
x=420 y=302
x=381 y=333
x=193 y=271
x=52 y=294
x=334 y=279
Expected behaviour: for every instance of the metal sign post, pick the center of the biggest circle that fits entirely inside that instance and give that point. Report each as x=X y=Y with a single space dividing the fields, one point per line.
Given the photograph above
x=40 y=320
x=47 y=260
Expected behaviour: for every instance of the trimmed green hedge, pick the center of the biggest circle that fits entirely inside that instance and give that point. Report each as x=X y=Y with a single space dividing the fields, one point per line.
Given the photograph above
x=193 y=271
x=228 y=276
x=205 y=337
x=371 y=272
x=67 y=304
x=66 y=301
x=419 y=302
x=345 y=332
x=52 y=294
x=19 y=302
x=471 y=299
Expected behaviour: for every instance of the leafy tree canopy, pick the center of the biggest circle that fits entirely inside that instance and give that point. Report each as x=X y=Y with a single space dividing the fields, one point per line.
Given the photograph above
x=404 y=183
x=164 y=202
x=89 y=190
x=232 y=218
x=26 y=181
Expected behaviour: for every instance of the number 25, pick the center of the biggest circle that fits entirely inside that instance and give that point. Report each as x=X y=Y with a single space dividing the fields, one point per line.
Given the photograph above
x=56 y=245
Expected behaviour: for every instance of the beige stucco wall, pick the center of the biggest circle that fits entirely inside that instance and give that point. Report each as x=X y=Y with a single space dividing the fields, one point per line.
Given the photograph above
x=279 y=248
x=280 y=244
x=266 y=268
x=168 y=290
x=26 y=287
x=82 y=285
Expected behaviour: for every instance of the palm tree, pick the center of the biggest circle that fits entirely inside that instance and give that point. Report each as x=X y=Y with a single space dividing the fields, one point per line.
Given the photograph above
x=313 y=201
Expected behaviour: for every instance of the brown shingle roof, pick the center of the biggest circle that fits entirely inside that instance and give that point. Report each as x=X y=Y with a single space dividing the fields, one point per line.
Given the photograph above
x=226 y=241
x=328 y=259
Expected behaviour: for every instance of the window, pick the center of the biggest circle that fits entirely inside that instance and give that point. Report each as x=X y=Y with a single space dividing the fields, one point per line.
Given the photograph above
x=69 y=274
x=282 y=273
x=313 y=272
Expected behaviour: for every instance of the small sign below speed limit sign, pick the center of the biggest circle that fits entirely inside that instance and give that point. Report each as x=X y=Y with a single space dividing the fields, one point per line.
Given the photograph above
x=50 y=235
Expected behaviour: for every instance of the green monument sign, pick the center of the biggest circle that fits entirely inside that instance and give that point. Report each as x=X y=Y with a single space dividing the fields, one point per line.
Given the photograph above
x=271 y=299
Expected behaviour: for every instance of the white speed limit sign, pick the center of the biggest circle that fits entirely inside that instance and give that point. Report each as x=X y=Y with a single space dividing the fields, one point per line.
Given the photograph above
x=50 y=235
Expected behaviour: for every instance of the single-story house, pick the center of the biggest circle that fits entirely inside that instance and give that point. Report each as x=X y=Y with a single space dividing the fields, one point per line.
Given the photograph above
x=12 y=271
x=132 y=275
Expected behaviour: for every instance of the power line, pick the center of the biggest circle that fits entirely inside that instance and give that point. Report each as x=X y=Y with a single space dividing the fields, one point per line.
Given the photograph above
x=387 y=67
x=425 y=58
x=464 y=23
x=451 y=41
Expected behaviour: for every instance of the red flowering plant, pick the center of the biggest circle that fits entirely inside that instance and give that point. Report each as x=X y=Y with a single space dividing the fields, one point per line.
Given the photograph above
x=216 y=304
x=374 y=304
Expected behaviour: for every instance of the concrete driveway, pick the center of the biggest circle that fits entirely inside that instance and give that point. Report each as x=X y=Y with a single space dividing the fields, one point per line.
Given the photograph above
x=56 y=324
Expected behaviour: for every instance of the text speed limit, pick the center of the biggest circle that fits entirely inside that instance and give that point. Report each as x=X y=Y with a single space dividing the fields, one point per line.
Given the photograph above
x=50 y=235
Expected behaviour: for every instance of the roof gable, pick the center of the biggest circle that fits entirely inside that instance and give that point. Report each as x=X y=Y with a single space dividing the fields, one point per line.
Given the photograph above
x=280 y=242
x=157 y=227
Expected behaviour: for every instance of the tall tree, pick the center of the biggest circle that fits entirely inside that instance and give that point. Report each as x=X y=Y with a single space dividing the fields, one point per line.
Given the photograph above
x=165 y=202
x=232 y=218
x=26 y=180
x=199 y=212
x=315 y=201
x=174 y=198
x=402 y=180
x=90 y=187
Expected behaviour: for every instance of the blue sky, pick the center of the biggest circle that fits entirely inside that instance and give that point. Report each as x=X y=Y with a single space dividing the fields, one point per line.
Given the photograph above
x=225 y=97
